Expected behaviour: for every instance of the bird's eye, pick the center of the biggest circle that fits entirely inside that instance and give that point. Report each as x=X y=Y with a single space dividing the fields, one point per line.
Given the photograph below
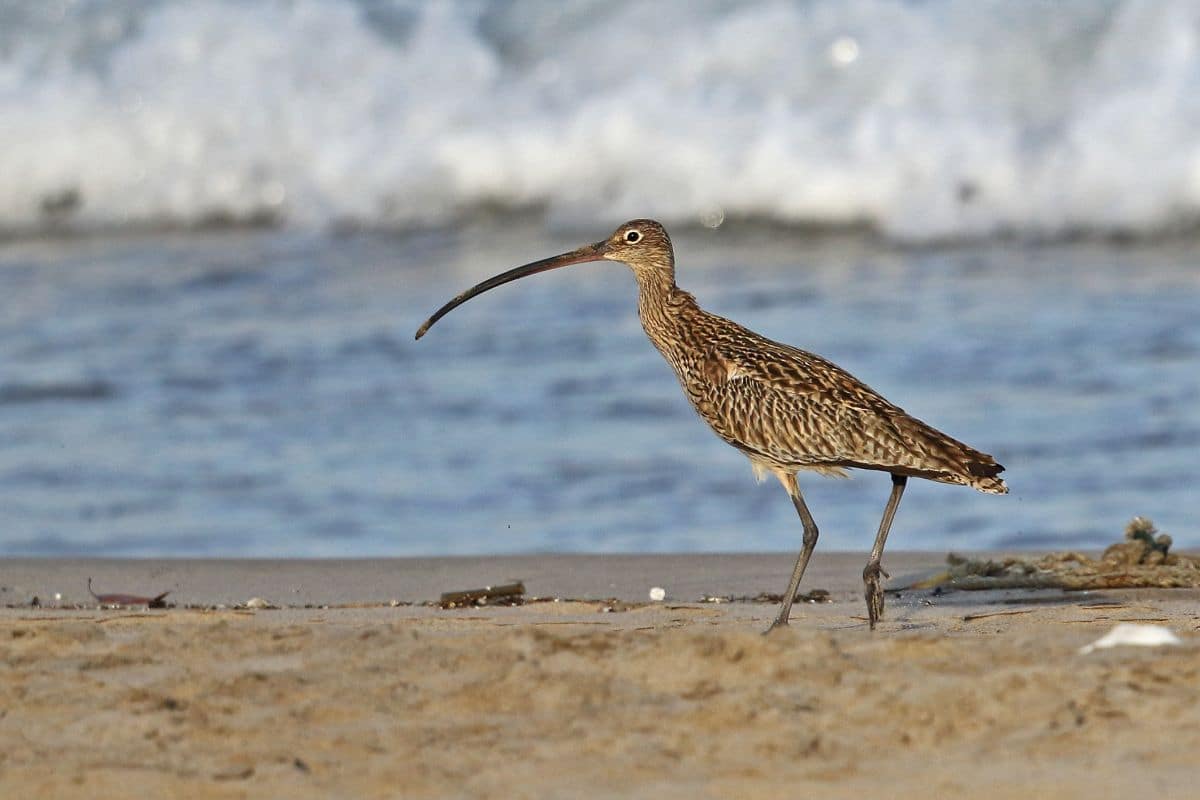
x=632 y=236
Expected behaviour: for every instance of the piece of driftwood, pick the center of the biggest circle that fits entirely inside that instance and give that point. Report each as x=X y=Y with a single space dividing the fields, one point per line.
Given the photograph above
x=506 y=594
x=1142 y=560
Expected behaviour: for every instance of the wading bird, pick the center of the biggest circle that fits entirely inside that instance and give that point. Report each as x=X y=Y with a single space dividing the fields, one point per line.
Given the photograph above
x=786 y=409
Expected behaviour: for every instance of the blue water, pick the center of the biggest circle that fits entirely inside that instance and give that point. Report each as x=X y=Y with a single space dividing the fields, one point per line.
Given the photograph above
x=260 y=392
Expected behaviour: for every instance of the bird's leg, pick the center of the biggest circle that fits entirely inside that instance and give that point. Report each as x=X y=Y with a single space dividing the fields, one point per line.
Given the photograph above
x=810 y=541
x=873 y=570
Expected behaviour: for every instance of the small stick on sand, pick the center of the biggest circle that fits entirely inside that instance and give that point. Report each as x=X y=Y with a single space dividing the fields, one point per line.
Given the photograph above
x=1006 y=613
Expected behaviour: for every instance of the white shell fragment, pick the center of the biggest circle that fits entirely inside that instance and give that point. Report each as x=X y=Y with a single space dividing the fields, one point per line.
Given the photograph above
x=658 y=594
x=1127 y=633
x=258 y=602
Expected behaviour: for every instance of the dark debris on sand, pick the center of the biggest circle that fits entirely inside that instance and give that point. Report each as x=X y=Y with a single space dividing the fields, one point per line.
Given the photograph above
x=1142 y=560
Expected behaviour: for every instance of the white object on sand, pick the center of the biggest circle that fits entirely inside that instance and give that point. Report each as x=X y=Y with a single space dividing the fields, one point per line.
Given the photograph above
x=258 y=602
x=1127 y=633
x=658 y=594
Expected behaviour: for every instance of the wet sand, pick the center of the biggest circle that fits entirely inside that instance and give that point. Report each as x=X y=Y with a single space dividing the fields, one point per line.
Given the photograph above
x=956 y=694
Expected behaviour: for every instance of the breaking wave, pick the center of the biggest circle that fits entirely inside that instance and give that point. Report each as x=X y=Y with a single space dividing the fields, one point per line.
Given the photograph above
x=923 y=120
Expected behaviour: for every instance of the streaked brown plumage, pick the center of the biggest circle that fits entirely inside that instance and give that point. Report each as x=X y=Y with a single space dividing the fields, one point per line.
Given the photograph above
x=786 y=409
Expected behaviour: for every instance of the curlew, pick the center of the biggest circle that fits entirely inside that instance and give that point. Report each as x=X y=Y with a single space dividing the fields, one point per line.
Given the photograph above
x=786 y=409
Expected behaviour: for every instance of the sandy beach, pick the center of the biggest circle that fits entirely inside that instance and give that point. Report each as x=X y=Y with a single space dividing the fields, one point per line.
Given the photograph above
x=980 y=693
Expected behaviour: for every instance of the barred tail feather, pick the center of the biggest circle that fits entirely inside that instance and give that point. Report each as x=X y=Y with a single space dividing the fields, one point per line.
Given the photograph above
x=985 y=476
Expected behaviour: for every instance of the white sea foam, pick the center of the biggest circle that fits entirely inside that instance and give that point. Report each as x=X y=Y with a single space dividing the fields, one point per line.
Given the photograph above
x=930 y=119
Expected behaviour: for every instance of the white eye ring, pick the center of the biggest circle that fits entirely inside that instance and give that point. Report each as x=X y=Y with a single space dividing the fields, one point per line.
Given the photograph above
x=632 y=236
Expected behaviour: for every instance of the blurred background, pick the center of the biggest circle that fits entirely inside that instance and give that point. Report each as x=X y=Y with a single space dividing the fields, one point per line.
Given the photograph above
x=221 y=223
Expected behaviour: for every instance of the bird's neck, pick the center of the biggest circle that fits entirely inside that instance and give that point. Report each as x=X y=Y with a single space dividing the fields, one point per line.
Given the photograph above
x=663 y=308
x=655 y=290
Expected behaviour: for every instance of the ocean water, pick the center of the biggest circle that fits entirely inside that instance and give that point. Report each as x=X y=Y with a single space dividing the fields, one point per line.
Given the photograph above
x=260 y=392
x=221 y=223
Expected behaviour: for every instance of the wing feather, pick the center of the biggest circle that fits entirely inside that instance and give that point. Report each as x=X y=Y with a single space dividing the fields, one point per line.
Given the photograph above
x=788 y=406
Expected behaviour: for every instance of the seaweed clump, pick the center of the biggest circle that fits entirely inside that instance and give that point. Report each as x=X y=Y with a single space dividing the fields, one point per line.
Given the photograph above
x=1143 y=559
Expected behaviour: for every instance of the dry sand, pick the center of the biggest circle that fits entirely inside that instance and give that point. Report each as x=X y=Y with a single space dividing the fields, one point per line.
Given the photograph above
x=570 y=699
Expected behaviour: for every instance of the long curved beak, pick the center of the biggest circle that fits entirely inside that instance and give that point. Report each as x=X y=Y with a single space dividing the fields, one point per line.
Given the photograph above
x=591 y=252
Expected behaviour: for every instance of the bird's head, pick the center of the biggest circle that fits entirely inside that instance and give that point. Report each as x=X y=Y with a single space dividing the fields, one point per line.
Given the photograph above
x=642 y=244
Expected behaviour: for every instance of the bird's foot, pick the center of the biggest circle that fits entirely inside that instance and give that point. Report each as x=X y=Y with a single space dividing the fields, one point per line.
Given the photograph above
x=779 y=624
x=874 y=592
